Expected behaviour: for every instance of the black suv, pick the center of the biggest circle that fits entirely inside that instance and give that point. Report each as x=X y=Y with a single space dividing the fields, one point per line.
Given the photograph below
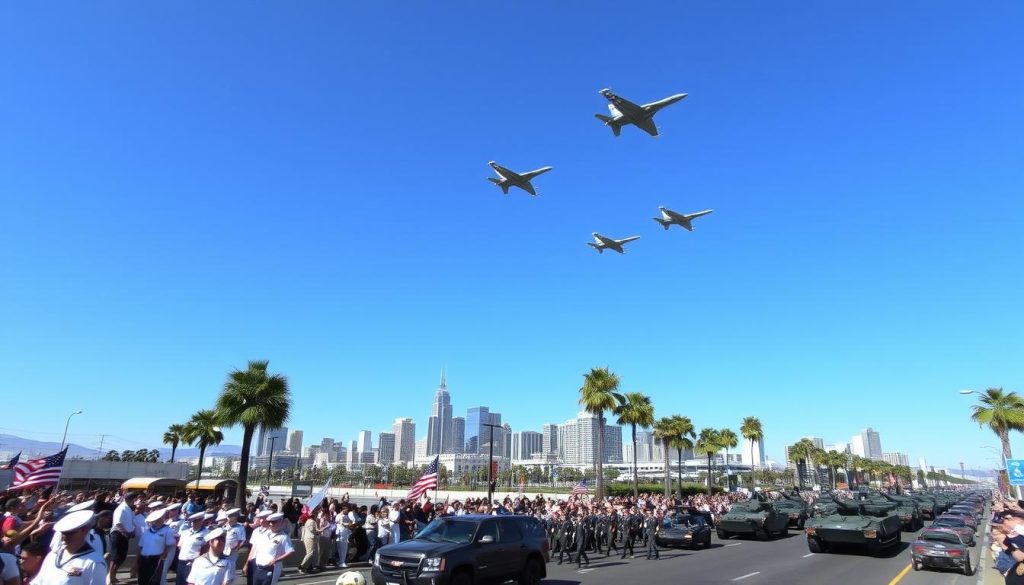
x=463 y=550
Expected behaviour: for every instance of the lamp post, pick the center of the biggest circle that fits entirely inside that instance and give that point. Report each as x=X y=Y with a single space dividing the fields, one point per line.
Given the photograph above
x=65 y=437
x=491 y=479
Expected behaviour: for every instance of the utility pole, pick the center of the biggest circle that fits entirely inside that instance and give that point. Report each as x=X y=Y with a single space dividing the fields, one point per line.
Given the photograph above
x=99 y=450
x=491 y=476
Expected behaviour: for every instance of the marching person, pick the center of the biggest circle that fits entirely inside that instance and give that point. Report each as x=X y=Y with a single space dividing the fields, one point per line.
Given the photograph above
x=154 y=544
x=190 y=545
x=310 y=542
x=173 y=521
x=346 y=522
x=74 y=562
x=269 y=551
x=651 y=526
x=259 y=532
x=582 y=540
x=121 y=533
x=212 y=567
x=234 y=533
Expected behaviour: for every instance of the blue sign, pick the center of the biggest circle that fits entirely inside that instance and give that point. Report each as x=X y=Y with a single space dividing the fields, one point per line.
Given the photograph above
x=1015 y=469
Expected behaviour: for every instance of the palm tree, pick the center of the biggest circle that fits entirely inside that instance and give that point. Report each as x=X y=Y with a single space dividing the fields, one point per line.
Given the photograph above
x=1001 y=412
x=752 y=431
x=819 y=458
x=728 y=440
x=682 y=440
x=801 y=451
x=203 y=430
x=709 y=442
x=664 y=431
x=253 y=398
x=635 y=409
x=597 y=395
x=172 y=436
x=834 y=460
x=860 y=465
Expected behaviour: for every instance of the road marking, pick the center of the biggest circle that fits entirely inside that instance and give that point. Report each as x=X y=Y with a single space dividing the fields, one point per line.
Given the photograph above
x=584 y=570
x=751 y=575
x=733 y=544
x=808 y=555
x=902 y=574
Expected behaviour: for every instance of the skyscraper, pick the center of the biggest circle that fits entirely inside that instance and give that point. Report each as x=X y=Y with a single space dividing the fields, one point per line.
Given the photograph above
x=872 y=443
x=365 y=447
x=526 y=443
x=405 y=439
x=385 y=448
x=271 y=437
x=753 y=452
x=439 y=425
x=550 y=439
x=577 y=441
x=458 y=434
x=295 y=442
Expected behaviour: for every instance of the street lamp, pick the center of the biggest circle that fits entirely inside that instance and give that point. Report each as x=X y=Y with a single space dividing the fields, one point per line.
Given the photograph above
x=65 y=437
x=270 y=460
x=491 y=479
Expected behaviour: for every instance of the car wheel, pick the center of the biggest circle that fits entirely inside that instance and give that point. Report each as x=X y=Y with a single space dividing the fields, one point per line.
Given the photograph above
x=814 y=545
x=916 y=565
x=785 y=531
x=707 y=541
x=462 y=578
x=968 y=570
x=723 y=535
x=761 y=534
x=531 y=573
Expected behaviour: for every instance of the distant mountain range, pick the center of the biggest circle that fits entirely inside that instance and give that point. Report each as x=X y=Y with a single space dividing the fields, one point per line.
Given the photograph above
x=30 y=448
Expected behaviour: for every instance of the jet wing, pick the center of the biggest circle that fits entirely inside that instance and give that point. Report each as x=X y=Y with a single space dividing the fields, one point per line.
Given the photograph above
x=533 y=174
x=626 y=107
x=627 y=240
x=604 y=240
x=503 y=171
x=647 y=125
x=526 y=186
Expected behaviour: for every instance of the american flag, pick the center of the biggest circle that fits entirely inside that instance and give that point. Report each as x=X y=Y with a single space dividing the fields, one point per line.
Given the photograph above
x=581 y=488
x=12 y=462
x=428 y=481
x=38 y=472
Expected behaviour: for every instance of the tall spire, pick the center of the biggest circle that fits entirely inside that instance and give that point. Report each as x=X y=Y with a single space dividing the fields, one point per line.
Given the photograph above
x=444 y=379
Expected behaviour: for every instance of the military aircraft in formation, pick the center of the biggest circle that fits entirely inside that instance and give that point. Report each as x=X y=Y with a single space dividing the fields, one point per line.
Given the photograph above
x=601 y=242
x=507 y=178
x=669 y=217
x=625 y=112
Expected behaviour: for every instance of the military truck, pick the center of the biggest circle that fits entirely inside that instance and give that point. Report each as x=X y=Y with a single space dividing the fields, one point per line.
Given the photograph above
x=757 y=518
x=794 y=508
x=869 y=525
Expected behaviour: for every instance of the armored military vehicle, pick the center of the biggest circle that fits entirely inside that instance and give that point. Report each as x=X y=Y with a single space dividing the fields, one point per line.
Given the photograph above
x=824 y=505
x=755 y=518
x=794 y=508
x=856 y=523
x=908 y=510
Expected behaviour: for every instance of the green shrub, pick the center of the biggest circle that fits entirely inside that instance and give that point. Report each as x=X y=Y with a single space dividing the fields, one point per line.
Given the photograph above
x=626 y=489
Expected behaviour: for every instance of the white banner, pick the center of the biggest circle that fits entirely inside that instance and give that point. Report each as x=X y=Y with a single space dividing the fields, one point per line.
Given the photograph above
x=318 y=497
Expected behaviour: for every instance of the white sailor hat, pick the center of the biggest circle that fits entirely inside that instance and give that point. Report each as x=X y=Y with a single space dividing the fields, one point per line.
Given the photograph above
x=221 y=516
x=264 y=514
x=154 y=505
x=74 y=521
x=234 y=512
x=156 y=515
x=275 y=517
x=214 y=534
x=173 y=507
x=209 y=515
x=83 y=506
x=196 y=516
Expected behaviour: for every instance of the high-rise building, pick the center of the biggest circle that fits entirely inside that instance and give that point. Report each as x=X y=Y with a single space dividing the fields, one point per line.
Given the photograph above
x=525 y=444
x=458 y=434
x=385 y=448
x=478 y=432
x=753 y=452
x=577 y=441
x=644 y=447
x=550 y=439
x=872 y=443
x=439 y=424
x=421 y=448
x=857 y=446
x=506 y=441
x=271 y=437
x=896 y=458
x=817 y=442
x=405 y=440
x=295 y=442
x=365 y=444
x=839 y=447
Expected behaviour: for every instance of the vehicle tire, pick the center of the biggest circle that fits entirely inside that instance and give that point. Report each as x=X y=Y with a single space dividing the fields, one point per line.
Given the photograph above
x=707 y=541
x=968 y=570
x=531 y=573
x=462 y=577
x=723 y=534
x=800 y=523
x=814 y=545
x=916 y=565
x=761 y=534
x=785 y=531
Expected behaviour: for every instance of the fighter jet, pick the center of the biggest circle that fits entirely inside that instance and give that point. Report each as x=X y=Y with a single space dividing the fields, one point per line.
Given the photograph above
x=626 y=112
x=507 y=178
x=669 y=217
x=601 y=242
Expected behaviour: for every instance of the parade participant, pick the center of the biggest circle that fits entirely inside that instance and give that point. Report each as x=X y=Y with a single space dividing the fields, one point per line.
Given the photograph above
x=121 y=533
x=651 y=526
x=234 y=533
x=259 y=532
x=310 y=540
x=153 y=545
x=613 y=532
x=345 y=523
x=269 y=552
x=95 y=540
x=582 y=541
x=175 y=522
x=212 y=567
x=396 y=518
x=74 y=562
x=565 y=532
x=31 y=560
x=190 y=544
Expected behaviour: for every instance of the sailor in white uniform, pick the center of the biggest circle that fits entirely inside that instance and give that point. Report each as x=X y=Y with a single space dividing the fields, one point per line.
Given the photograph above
x=173 y=521
x=190 y=544
x=235 y=533
x=270 y=550
x=94 y=540
x=153 y=547
x=211 y=568
x=75 y=562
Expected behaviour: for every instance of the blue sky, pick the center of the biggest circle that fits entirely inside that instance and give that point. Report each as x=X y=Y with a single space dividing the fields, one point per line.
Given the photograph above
x=189 y=186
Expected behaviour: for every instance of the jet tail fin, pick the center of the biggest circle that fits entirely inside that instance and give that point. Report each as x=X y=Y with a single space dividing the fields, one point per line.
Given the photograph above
x=664 y=222
x=600 y=249
x=616 y=129
x=498 y=182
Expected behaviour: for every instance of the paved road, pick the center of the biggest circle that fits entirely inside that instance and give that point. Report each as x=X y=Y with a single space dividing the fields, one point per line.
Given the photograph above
x=745 y=562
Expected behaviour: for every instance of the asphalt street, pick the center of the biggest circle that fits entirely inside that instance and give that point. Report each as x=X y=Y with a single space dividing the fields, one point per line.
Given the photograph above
x=749 y=562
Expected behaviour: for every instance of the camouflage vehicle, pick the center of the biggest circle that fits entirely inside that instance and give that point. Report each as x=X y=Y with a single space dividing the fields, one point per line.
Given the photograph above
x=824 y=505
x=928 y=504
x=856 y=523
x=794 y=508
x=906 y=508
x=755 y=518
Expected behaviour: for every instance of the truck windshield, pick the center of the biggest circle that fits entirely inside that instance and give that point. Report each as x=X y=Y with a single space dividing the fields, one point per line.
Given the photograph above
x=442 y=530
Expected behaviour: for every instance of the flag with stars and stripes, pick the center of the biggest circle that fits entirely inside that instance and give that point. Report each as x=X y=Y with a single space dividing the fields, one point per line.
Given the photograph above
x=581 y=488
x=38 y=472
x=12 y=462
x=427 y=481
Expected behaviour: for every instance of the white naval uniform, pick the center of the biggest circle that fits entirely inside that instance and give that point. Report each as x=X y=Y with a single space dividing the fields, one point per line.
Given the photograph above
x=190 y=543
x=234 y=541
x=86 y=567
x=270 y=546
x=175 y=526
x=210 y=571
x=94 y=540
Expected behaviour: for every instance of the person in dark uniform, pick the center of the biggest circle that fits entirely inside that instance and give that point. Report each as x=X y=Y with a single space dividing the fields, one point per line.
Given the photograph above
x=628 y=533
x=601 y=532
x=651 y=526
x=582 y=534
x=613 y=532
x=565 y=533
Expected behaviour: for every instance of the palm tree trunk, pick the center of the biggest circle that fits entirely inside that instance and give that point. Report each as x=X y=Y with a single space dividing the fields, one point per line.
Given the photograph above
x=709 y=473
x=174 y=449
x=636 y=480
x=202 y=455
x=727 y=469
x=753 y=479
x=679 y=470
x=243 y=469
x=600 y=456
x=668 y=473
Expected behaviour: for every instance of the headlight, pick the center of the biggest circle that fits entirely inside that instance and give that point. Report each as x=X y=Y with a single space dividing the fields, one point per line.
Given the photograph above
x=376 y=559
x=811 y=531
x=870 y=534
x=434 y=565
